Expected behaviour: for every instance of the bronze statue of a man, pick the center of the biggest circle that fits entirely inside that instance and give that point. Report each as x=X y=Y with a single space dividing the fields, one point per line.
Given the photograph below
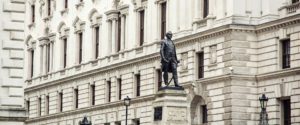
x=169 y=59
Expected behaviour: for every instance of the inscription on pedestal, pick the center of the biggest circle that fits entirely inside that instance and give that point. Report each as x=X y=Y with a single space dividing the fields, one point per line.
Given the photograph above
x=176 y=114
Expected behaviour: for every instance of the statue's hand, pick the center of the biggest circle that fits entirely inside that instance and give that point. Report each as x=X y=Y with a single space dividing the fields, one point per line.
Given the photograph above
x=166 y=61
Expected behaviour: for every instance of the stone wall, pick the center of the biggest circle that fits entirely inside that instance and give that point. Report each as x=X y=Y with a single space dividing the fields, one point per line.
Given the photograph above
x=12 y=109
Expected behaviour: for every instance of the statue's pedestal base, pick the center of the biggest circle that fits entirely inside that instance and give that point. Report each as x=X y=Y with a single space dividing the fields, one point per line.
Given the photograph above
x=170 y=107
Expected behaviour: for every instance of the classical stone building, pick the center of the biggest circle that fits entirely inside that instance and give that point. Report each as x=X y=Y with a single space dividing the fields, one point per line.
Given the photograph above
x=83 y=57
x=12 y=111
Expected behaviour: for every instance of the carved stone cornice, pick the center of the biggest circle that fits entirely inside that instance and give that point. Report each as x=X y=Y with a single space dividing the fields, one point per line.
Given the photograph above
x=276 y=24
x=101 y=70
x=90 y=109
x=123 y=9
x=112 y=14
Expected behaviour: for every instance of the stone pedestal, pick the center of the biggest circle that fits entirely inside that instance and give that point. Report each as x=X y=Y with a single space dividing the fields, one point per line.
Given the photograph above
x=170 y=107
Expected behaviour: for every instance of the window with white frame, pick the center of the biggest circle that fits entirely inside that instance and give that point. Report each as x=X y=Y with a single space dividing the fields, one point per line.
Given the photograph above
x=30 y=56
x=79 y=32
x=95 y=19
x=63 y=35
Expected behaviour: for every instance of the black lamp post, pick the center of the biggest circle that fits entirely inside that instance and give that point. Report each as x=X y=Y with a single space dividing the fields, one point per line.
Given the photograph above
x=126 y=103
x=85 y=121
x=263 y=114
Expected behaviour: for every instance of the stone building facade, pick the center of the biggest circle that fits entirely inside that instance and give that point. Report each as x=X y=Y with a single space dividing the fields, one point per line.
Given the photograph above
x=83 y=57
x=12 y=111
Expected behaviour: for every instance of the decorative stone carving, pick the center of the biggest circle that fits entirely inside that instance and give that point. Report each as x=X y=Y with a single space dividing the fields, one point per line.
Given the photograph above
x=177 y=114
x=184 y=61
x=213 y=54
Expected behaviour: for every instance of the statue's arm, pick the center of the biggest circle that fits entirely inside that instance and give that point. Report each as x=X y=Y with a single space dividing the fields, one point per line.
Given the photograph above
x=162 y=51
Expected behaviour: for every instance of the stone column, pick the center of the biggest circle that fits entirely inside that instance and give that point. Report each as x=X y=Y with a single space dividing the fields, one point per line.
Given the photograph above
x=51 y=56
x=109 y=46
x=44 y=59
x=123 y=26
x=29 y=53
x=197 y=10
x=113 y=36
x=62 y=49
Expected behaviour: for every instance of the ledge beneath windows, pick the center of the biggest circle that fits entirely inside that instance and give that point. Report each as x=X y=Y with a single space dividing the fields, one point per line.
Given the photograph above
x=94 y=108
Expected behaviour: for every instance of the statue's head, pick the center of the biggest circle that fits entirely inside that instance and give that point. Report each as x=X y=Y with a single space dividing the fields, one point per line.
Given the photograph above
x=169 y=35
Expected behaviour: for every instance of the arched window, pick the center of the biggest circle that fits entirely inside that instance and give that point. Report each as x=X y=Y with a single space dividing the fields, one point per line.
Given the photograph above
x=79 y=28
x=198 y=111
x=63 y=35
x=30 y=43
x=95 y=19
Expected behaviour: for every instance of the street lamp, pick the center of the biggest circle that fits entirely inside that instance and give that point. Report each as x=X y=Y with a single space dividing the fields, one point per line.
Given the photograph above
x=126 y=103
x=85 y=121
x=263 y=114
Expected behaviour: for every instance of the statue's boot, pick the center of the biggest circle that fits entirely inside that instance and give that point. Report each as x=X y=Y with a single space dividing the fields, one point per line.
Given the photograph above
x=166 y=78
x=176 y=82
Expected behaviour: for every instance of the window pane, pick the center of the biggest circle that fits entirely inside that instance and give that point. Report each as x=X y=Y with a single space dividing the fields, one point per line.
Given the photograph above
x=142 y=16
x=286 y=54
x=163 y=19
x=205 y=8
x=286 y=111
x=200 y=65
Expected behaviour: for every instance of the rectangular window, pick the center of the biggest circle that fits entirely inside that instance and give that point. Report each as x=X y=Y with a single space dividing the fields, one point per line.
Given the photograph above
x=97 y=42
x=108 y=89
x=163 y=19
x=159 y=78
x=39 y=106
x=205 y=8
x=200 y=59
x=136 y=121
x=92 y=94
x=28 y=106
x=60 y=102
x=76 y=98
x=33 y=13
x=49 y=7
x=80 y=47
x=119 y=82
x=285 y=53
x=286 y=112
x=204 y=113
x=138 y=84
x=119 y=33
x=32 y=62
x=66 y=4
x=65 y=52
x=47 y=104
x=142 y=27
